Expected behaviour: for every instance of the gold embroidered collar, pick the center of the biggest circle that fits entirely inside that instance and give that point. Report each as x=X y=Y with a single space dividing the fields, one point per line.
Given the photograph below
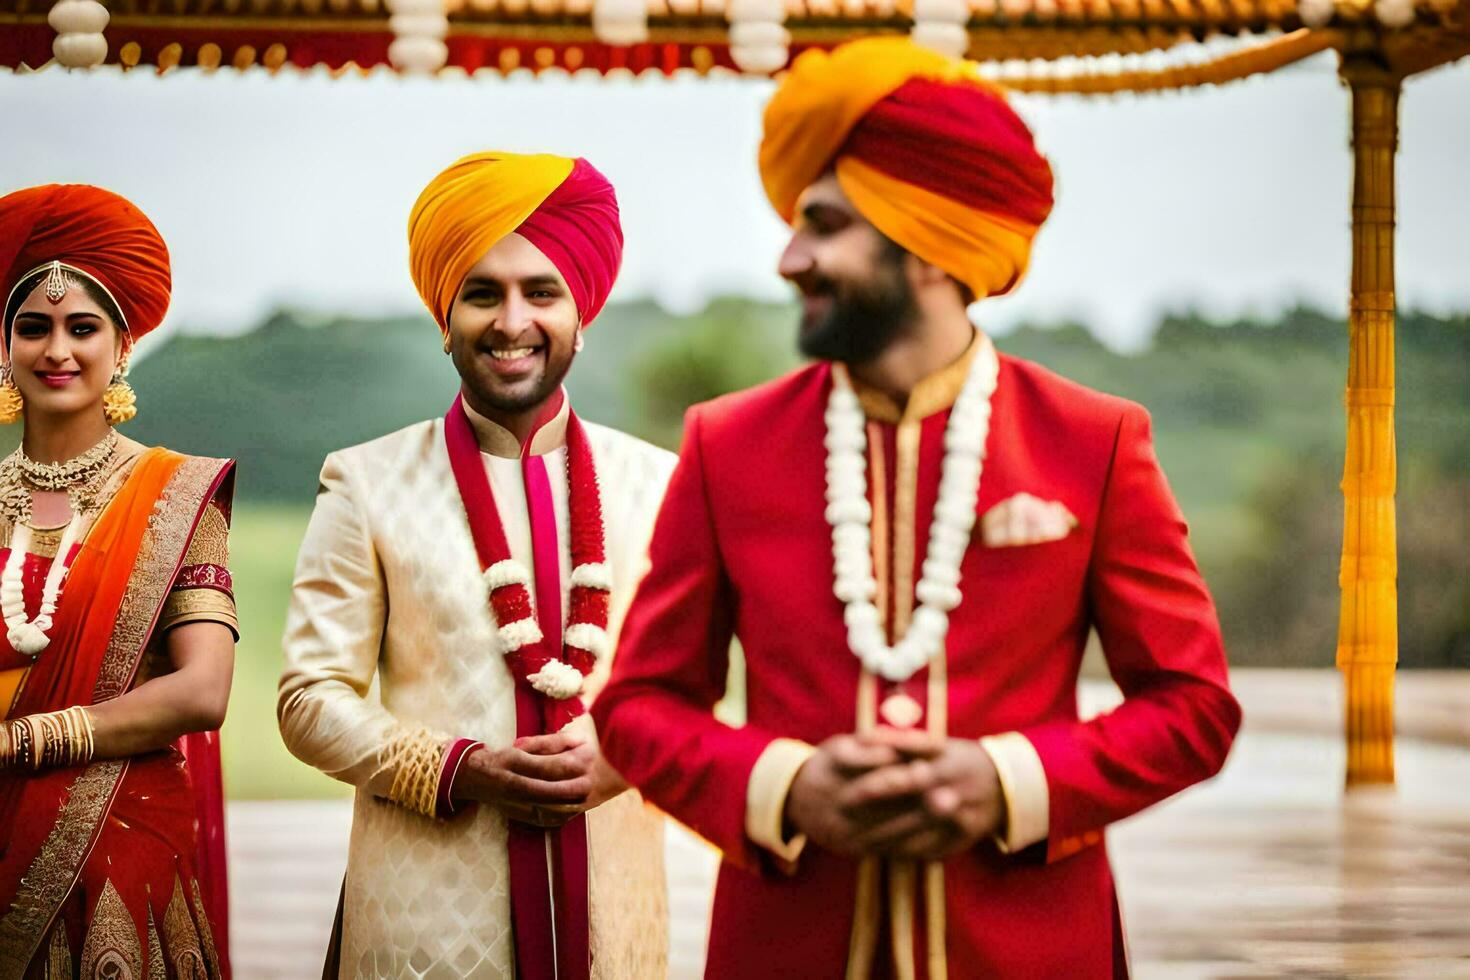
x=934 y=393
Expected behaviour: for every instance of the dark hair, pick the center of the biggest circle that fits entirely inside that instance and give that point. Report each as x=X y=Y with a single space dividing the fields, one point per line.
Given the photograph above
x=90 y=286
x=892 y=253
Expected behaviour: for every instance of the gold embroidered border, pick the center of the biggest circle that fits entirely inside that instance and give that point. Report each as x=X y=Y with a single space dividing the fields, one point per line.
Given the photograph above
x=157 y=969
x=111 y=948
x=49 y=878
x=863 y=940
x=185 y=952
x=902 y=880
x=52 y=873
x=934 y=904
x=206 y=930
x=164 y=544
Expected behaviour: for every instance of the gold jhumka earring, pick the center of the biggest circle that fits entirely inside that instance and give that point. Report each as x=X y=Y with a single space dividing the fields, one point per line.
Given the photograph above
x=119 y=401
x=11 y=402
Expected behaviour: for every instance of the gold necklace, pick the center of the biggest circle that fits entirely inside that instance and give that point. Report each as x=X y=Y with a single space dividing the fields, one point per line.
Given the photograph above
x=81 y=478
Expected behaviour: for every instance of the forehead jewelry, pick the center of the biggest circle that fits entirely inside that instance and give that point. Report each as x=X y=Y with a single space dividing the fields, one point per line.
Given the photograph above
x=57 y=283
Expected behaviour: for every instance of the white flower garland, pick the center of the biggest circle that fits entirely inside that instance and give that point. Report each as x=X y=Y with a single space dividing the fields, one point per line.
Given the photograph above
x=506 y=572
x=593 y=575
x=28 y=636
x=589 y=637
x=850 y=515
x=557 y=679
x=520 y=633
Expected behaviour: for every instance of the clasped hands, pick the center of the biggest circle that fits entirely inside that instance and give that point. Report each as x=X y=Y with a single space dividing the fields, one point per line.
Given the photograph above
x=542 y=780
x=897 y=794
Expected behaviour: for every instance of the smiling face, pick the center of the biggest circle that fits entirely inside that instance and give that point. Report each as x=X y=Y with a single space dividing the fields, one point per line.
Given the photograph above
x=855 y=294
x=512 y=329
x=63 y=355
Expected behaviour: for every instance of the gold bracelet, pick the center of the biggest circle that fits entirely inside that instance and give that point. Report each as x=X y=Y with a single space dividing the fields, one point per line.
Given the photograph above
x=57 y=738
x=89 y=732
x=7 y=747
x=25 y=742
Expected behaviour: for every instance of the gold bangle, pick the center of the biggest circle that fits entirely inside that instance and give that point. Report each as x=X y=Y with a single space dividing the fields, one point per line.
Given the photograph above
x=48 y=735
x=7 y=747
x=20 y=731
x=56 y=738
x=25 y=751
x=89 y=728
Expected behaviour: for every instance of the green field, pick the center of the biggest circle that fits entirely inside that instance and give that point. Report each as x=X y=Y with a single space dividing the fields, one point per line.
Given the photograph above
x=263 y=543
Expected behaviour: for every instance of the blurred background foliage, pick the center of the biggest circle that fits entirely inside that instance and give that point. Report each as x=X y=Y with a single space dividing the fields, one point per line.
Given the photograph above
x=1247 y=417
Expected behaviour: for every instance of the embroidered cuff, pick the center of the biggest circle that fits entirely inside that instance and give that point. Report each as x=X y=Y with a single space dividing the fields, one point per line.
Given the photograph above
x=413 y=760
x=454 y=756
x=765 y=797
x=1023 y=781
x=198 y=604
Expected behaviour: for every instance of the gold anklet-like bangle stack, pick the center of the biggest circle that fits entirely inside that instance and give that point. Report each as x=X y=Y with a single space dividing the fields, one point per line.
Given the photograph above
x=54 y=739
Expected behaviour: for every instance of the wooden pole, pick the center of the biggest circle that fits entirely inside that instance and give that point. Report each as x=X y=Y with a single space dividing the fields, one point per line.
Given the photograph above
x=1367 y=644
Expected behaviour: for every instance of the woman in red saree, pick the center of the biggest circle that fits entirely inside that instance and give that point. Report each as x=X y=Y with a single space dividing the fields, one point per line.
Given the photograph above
x=119 y=623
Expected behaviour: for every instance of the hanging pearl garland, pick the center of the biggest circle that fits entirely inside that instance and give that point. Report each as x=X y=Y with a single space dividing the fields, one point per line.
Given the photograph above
x=851 y=516
x=29 y=636
x=620 y=22
x=1316 y=13
x=1394 y=13
x=78 y=24
x=419 y=27
x=941 y=26
x=1390 y=13
x=759 y=41
x=81 y=479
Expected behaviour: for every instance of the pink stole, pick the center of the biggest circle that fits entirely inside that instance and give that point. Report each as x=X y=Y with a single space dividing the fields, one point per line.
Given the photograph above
x=548 y=868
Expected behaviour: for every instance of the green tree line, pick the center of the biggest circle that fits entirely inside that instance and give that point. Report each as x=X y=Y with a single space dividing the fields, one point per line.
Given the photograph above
x=1248 y=418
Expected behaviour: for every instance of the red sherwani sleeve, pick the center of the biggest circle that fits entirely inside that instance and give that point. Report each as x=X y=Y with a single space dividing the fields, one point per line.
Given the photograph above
x=655 y=717
x=1162 y=641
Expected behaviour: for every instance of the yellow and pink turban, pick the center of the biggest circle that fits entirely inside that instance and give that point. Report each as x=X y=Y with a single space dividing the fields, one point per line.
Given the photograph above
x=925 y=149
x=565 y=207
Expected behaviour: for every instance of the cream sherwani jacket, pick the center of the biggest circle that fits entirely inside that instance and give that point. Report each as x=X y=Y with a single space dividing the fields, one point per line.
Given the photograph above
x=390 y=636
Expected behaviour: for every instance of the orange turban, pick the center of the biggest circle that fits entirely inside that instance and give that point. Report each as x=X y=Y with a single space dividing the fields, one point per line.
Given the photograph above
x=95 y=232
x=564 y=207
x=925 y=149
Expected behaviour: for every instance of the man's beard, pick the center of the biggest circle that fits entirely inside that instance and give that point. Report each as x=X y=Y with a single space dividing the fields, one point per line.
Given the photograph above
x=862 y=321
x=522 y=396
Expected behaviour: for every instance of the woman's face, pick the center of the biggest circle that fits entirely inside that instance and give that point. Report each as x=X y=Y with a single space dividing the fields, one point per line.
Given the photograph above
x=63 y=355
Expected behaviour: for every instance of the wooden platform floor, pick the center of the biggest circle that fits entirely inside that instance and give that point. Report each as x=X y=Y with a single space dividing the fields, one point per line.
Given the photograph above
x=1268 y=871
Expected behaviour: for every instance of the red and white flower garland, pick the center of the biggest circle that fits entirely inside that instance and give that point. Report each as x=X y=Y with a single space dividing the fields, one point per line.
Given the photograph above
x=585 y=639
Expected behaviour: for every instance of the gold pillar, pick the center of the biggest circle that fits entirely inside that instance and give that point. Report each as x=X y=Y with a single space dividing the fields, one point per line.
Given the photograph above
x=1367 y=638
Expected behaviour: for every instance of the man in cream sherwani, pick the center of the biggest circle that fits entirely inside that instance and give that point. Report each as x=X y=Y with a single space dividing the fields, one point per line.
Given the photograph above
x=478 y=567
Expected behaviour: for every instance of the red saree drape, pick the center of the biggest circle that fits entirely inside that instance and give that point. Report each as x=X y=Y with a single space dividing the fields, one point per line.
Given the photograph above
x=107 y=856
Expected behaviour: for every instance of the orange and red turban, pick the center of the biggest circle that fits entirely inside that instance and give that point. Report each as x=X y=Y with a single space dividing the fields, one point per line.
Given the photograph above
x=95 y=232
x=564 y=207
x=925 y=149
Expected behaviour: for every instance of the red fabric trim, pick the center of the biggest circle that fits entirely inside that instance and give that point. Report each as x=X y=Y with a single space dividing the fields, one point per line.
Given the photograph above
x=512 y=603
x=206 y=577
x=959 y=140
x=453 y=759
x=549 y=904
x=569 y=928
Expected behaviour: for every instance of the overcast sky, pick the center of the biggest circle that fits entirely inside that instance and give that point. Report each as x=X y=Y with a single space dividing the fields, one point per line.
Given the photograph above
x=295 y=188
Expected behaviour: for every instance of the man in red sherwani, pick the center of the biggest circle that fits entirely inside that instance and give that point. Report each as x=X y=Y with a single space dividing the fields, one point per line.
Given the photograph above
x=912 y=540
